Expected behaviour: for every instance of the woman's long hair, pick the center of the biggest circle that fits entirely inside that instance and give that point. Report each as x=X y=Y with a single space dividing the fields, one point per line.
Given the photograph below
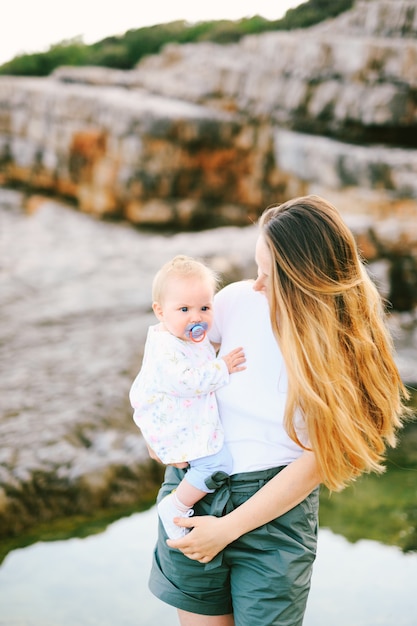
x=328 y=319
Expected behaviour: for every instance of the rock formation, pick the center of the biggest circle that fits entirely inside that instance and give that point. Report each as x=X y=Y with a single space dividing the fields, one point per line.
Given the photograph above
x=76 y=296
x=204 y=135
x=198 y=136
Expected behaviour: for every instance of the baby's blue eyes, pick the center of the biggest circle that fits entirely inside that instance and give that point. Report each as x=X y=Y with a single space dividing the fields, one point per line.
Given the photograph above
x=184 y=309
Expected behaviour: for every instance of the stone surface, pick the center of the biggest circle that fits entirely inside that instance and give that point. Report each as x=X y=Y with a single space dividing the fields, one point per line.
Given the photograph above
x=198 y=136
x=204 y=135
x=129 y=154
x=75 y=309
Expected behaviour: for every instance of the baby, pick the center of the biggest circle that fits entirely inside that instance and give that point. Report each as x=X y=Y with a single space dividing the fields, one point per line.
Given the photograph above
x=173 y=395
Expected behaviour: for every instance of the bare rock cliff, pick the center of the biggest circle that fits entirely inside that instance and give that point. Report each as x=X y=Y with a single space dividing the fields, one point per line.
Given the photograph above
x=197 y=136
x=204 y=135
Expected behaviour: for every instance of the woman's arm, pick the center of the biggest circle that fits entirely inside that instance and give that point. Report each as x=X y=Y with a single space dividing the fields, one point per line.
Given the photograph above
x=283 y=492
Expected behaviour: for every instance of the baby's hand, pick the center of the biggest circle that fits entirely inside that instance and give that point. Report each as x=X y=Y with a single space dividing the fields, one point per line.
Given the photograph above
x=234 y=360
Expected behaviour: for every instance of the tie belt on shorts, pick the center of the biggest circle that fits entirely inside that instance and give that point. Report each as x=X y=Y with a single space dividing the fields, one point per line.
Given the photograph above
x=225 y=485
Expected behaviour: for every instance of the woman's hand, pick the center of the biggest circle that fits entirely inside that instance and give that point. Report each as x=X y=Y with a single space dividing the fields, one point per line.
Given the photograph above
x=209 y=535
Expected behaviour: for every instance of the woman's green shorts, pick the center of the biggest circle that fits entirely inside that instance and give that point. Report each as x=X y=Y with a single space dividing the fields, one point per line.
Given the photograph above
x=263 y=578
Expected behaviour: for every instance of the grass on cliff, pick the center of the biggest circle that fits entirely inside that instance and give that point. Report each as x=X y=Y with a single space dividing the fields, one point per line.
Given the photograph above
x=380 y=508
x=124 y=52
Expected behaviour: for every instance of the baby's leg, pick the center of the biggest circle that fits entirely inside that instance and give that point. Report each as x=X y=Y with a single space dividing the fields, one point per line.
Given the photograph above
x=191 y=489
x=187 y=494
x=178 y=504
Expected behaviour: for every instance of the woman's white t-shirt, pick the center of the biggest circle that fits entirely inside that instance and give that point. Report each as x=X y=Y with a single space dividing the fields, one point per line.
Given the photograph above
x=252 y=405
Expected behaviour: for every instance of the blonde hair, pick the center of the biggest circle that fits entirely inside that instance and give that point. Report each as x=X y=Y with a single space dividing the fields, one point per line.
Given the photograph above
x=184 y=267
x=328 y=319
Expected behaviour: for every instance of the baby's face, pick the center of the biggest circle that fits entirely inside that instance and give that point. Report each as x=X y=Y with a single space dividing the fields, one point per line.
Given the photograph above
x=186 y=301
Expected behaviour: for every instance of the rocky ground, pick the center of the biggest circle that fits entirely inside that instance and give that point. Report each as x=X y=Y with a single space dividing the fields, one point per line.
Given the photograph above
x=75 y=307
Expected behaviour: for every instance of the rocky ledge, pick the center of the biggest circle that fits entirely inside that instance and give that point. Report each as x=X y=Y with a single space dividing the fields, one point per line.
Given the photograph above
x=75 y=308
x=199 y=136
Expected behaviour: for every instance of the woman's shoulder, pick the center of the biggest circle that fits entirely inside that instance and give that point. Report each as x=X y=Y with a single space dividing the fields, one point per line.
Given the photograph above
x=241 y=291
x=237 y=289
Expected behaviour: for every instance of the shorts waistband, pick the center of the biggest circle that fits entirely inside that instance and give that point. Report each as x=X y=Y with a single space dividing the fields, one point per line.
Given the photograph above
x=244 y=481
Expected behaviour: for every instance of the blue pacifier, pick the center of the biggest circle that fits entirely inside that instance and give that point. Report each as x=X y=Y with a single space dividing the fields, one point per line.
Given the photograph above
x=196 y=332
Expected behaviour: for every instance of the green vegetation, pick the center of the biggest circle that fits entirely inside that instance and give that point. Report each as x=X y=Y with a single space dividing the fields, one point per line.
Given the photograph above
x=124 y=52
x=376 y=508
x=80 y=526
x=380 y=508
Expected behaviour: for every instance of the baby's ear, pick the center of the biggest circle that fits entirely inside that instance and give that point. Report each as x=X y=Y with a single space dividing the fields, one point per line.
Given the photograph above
x=157 y=309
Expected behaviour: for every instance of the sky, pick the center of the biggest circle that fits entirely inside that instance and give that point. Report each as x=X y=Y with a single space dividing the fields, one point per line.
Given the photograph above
x=35 y=25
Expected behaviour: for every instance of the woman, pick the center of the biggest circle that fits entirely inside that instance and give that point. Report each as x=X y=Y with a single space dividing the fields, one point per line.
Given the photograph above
x=318 y=405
